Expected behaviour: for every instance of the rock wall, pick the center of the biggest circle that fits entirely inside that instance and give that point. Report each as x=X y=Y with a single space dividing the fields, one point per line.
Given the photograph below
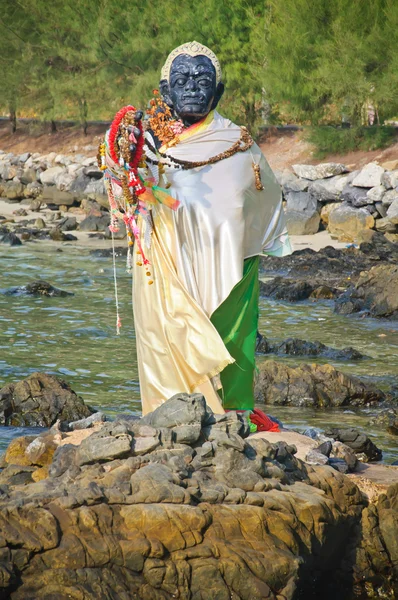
x=348 y=204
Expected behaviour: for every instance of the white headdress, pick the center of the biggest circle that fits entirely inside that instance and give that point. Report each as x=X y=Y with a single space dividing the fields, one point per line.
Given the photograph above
x=192 y=49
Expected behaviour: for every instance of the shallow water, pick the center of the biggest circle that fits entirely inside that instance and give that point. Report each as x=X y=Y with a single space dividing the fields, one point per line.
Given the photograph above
x=74 y=337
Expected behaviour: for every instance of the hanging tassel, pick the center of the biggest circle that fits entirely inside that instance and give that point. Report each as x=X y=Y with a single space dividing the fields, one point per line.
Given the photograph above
x=257 y=176
x=118 y=320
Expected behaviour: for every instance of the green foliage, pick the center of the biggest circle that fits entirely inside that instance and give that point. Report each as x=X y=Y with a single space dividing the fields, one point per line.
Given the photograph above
x=312 y=60
x=326 y=59
x=333 y=140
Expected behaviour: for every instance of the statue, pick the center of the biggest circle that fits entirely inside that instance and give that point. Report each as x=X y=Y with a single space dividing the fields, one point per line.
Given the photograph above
x=200 y=205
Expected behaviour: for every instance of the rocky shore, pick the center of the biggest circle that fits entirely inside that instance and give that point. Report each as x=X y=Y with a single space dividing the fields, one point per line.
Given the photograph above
x=184 y=503
x=351 y=205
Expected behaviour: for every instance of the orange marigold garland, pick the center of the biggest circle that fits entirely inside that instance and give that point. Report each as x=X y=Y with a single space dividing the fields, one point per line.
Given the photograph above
x=161 y=121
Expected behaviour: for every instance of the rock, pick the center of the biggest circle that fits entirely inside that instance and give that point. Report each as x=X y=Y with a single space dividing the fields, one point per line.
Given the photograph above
x=376 y=194
x=357 y=441
x=149 y=526
x=95 y=190
x=33 y=190
x=377 y=548
x=39 y=223
x=87 y=422
x=91 y=207
x=117 y=235
x=319 y=171
x=64 y=180
x=389 y=179
x=79 y=186
x=346 y=222
x=392 y=237
x=327 y=190
x=392 y=212
x=93 y=449
x=389 y=197
x=355 y=196
x=93 y=172
x=286 y=289
x=37 y=288
x=16 y=451
x=10 y=238
x=312 y=385
x=24 y=157
x=301 y=202
x=92 y=223
x=28 y=176
x=67 y=224
x=52 y=195
x=49 y=176
x=325 y=448
x=390 y=165
x=40 y=400
x=293 y=184
x=181 y=409
x=381 y=209
x=314 y=457
x=388 y=419
x=345 y=453
x=14 y=190
x=369 y=177
x=302 y=223
x=376 y=292
x=326 y=210
x=385 y=225
x=339 y=464
x=297 y=347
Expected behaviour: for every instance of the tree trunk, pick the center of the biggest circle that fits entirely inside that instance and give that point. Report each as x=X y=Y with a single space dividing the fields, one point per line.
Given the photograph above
x=83 y=114
x=53 y=126
x=13 y=119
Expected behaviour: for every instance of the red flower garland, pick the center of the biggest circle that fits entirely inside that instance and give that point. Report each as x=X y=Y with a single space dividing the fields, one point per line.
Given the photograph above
x=113 y=131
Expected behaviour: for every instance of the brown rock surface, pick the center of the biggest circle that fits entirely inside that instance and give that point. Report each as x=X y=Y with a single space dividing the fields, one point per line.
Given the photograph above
x=312 y=385
x=232 y=517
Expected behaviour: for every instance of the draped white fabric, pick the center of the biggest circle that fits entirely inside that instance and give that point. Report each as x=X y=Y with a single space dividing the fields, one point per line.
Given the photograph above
x=222 y=218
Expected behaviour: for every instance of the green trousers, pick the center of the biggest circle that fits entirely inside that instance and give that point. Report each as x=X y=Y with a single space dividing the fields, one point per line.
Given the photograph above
x=236 y=321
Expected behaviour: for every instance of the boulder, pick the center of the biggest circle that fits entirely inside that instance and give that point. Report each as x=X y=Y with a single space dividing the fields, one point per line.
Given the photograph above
x=92 y=223
x=321 y=171
x=10 y=238
x=302 y=223
x=14 y=190
x=312 y=385
x=28 y=176
x=392 y=212
x=300 y=201
x=52 y=195
x=389 y=179
x=40 y=400
x=376 y=194
x=355 y=195
x=377 y=549
x=387 y=225
x=280 y=288
x=326 y=210
x=359 y=442
x=345 y=222
x=369 y=177
x=327 y=190
x=95 y=190
x=294 y=184
x=79 y=186
x=33 y=190
x=64 y=180
x=389 y=197
x=229 y=518
x=37 y=288
x=376 y=293
x=297 y=347
x=48 y=177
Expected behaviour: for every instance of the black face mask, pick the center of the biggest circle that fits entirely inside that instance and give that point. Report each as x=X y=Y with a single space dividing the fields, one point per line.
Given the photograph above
x=192 y=89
